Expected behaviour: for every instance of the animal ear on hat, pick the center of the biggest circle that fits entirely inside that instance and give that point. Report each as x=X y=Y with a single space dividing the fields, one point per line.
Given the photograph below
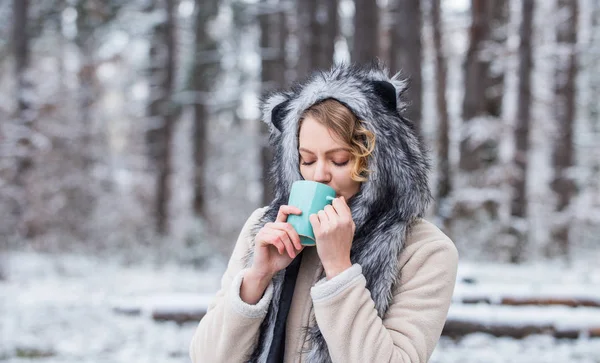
x=278 y=114
x=275 y=109
x=387 y=93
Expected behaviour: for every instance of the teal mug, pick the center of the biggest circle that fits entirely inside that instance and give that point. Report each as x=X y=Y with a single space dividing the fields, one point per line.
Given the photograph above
x=310 y=197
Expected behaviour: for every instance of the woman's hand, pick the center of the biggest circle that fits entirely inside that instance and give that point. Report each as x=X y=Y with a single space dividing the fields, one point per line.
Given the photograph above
x=334 y=232
x=276 y=244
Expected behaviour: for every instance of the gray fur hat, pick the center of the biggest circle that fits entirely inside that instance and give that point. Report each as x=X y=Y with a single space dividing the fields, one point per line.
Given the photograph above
x=399 y=163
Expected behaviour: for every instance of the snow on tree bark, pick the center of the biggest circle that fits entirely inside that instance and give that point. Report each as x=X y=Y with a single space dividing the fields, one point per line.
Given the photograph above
x=161 y=111
x=206 y=64
x=25 y=118
x=521 y=132
x=484 y=79
x=563 y=184
x=444 y=180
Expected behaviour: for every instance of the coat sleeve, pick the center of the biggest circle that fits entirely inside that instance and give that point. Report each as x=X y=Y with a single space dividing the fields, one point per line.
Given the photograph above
x=229 y=331
x=410 y=330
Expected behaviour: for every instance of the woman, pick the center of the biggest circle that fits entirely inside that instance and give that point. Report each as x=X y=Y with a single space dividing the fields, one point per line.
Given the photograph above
x=378 y=284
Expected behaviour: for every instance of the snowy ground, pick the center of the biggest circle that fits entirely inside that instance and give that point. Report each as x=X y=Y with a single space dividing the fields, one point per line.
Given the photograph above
x=62 y=308
x=59 y=309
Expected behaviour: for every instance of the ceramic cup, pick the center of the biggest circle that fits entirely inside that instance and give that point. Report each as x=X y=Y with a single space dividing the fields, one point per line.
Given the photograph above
x=310 y=197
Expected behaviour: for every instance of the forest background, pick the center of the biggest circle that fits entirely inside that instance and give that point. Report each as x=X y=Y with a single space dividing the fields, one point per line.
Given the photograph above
x=130 y=131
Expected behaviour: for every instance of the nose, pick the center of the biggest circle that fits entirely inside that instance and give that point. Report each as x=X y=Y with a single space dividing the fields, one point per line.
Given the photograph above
x=322 y=174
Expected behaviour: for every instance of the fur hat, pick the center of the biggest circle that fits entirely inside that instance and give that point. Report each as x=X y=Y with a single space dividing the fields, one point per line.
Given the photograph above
x=398 y=163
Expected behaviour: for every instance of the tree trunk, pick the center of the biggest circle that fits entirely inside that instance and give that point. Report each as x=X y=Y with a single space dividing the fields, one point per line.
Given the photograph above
x=206 y=63
x=328 y=24
x=563 y=184
x=88 y=19
x=498 y=19
x=273 y=69
x=521 y=133
x=484 y=77
x=308 y=40
x=475 y=66
x=365 y=45
x=159 y=134
x=25 y=115
x=21 y=52
x=444 y=178
x=593 y=106
x=406 y=53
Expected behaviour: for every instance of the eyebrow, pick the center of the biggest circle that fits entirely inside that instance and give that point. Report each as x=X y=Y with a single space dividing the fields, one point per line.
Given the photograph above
x=327 y=152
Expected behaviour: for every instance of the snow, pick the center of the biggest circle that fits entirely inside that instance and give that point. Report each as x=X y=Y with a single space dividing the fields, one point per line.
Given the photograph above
x=561 y=317
x=477 y=348
x=189 y=302
x=494 y=293
x=61 y=308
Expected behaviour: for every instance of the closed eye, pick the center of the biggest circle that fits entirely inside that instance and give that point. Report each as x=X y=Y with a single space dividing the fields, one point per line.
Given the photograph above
x=336 y=164
x=341 y=164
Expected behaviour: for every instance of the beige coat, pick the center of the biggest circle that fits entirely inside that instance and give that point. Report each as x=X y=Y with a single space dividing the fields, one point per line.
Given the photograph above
x=342 y=307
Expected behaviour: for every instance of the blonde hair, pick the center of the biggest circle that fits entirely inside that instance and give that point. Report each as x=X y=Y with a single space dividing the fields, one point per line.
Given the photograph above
x=346 y=126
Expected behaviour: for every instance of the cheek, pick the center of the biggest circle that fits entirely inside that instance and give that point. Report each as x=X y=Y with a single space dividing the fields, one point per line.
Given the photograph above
x=305 y=172
x=343 y=177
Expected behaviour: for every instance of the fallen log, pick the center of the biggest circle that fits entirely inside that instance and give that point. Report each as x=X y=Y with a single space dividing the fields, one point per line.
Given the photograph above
x=521 y=321
x=127 y=310
x=179 y=317
x=177 y=307
x=458 y=329
x=572 y=302
x=527 y=294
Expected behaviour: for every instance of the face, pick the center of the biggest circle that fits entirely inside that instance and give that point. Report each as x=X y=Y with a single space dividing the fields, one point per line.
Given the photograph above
x=326 y=159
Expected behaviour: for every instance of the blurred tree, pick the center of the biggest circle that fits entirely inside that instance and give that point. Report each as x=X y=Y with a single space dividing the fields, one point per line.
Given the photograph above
x=593 y=105
x=484 y=78
x=86 y=147
x=406 y=53
x=563 y=160
x=328 y=30
x=160 y=109
x=273 y=38
x=25 y=115
x=206 y=64
x=316 y=31
x=21 y=54
x=478 y=196
x=365 y=44
x=306 y=33
x=519 y=227
x=444 y=183
x=90 y=16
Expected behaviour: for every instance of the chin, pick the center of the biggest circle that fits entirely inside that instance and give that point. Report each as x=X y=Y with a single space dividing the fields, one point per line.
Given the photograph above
x=345 y=195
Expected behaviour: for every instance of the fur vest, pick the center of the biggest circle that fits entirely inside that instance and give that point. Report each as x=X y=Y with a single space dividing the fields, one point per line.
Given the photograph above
x=395 y=194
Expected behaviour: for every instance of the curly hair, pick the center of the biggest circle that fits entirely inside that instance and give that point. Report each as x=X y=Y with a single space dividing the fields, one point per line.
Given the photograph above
x=348 y=128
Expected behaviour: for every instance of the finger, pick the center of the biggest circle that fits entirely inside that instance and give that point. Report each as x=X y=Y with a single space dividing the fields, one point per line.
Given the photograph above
x=316 y=224
x=293 y=235
x=287 y=242
x=286 y=210
x=274 y=240
x=323 y=218
x=341 y=207
x=331 y=213
x=344 y=213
